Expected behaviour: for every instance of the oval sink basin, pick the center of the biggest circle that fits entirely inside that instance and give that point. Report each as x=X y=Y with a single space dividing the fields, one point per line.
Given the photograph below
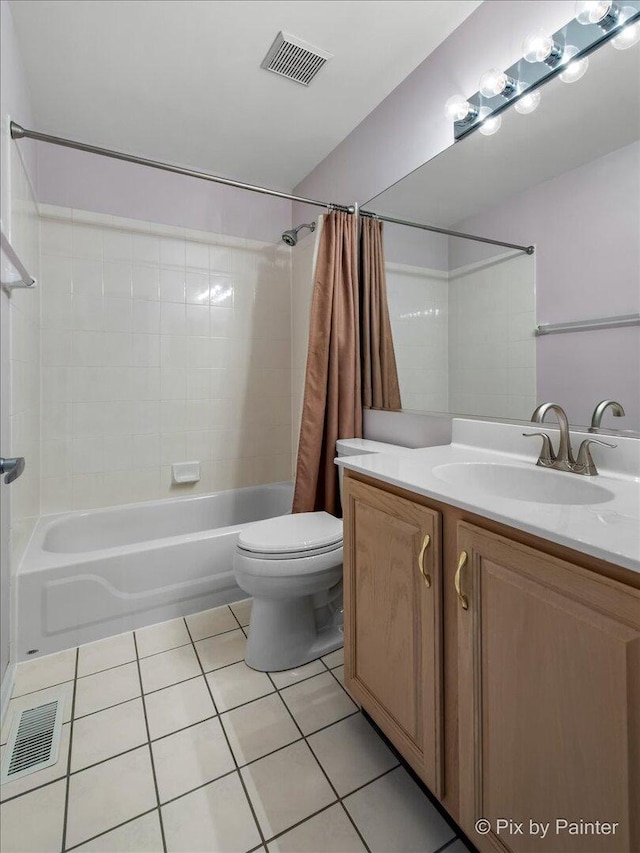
x=535 y=485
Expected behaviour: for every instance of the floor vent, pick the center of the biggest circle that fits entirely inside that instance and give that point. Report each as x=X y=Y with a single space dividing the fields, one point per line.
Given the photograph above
x=294 y=58
x=34 y=741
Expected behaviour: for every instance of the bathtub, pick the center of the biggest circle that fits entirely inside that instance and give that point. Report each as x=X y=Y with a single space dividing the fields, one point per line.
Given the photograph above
x=90 y=575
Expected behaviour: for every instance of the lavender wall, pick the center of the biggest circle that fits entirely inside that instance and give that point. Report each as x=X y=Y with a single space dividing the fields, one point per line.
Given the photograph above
x=75 y=179
x=585 y=226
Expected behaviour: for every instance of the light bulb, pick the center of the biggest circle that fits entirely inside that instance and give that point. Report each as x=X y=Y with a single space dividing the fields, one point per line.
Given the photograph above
x=592 y=11
x=574 y=69
x=490 y=126
x=539 y=47
x=629 y=34
x=457 y=108
x=494 y=82
x=528 y=103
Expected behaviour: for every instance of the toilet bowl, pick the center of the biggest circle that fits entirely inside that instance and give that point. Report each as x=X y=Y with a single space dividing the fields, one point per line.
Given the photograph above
x=292 y=567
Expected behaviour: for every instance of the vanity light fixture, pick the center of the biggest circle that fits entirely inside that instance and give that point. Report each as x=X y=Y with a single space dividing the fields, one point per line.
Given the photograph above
x=601 y=12
x=458 y=108
x=540 y=47
x=528 y=103
x=545 y=55
x=491 y=125
x=629 y=34
x=574 y=69
x=494 y=82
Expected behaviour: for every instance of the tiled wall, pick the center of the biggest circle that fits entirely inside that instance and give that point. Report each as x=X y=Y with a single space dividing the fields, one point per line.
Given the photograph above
x=464 y=339
x=24 y=322
x=492 y=348
x=160 y=345
x=418 y=311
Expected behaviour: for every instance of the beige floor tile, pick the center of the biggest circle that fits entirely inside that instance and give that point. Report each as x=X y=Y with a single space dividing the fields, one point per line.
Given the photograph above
x=169 y=668
x=104 y=654
x=99 y=691
x=338 y=672
x=40 y=697
x=211 y=622
x=141 y=835
x=317 y=702
x=178 y=706
x=258 y=728
x=351 y=753
x=221 y=650
x=236 y=684
x=393 y=814
x=162 y=637
x=334 y=658
x=300 y=791
x=107 y=733
x=44 y=672
x=190 y=758
x=40 y=777
x=21 y=833
x=108 y=794
x=216 y=819
x=242 y=611
x=331 y=831
x=291 y=676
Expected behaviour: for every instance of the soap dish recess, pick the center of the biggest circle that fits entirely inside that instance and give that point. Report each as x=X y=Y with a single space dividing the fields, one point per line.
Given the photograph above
x=185 y=472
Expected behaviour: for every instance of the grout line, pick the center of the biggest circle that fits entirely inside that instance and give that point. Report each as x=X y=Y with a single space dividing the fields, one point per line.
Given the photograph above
x=226 y=737
x=117 y=826
x=68 y=774
x=153 y=765
x=322 y=770
x=448 y=844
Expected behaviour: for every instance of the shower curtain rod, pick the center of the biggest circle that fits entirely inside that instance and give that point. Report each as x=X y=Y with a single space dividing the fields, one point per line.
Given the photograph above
x=19 y=132
x=528 y=249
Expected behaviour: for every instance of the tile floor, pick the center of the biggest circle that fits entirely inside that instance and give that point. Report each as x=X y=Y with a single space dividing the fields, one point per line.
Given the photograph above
x=171 y=743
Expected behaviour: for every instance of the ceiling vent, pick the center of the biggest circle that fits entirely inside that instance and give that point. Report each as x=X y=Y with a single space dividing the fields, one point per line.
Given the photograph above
x=294 y=58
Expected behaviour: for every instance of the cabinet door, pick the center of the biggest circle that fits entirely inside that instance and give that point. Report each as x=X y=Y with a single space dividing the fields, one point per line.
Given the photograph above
x=549 y=700
x=392 y=621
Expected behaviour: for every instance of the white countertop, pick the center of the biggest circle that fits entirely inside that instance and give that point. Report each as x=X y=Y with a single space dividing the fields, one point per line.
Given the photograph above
x=609 y=530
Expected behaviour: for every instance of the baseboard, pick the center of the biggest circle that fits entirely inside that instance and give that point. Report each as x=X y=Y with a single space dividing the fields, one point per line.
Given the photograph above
x=6 y=690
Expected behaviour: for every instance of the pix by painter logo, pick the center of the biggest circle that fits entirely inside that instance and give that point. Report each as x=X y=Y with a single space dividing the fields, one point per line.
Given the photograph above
x=540 y=829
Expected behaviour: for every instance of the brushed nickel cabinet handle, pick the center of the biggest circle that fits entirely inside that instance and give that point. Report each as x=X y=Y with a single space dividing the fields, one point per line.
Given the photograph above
x=462 y=598
x=425 y=544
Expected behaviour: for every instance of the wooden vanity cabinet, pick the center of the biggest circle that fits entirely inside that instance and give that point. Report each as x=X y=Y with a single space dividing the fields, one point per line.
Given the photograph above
x=540 y=711
x=392 y=589
x=548 y=697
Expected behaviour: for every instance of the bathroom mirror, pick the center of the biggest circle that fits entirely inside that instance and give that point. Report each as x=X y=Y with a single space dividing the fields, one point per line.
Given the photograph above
x=464 y=314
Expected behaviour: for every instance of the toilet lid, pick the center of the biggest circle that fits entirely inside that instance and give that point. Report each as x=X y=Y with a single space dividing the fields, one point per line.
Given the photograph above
x=304 y=531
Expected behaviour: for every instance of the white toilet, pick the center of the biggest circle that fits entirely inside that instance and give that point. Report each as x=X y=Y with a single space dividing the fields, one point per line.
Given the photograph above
x=292 y=566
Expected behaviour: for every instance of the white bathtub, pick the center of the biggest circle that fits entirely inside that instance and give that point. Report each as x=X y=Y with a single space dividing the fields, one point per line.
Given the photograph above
x=90 y=575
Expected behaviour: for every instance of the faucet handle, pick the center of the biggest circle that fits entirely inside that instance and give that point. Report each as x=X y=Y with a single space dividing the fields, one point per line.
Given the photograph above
x=584 y=463
x=547 y=456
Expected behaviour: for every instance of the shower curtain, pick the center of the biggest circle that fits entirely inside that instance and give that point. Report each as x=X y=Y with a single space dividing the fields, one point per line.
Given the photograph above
x=332 y=406
x=380 y=386
x=350 y=361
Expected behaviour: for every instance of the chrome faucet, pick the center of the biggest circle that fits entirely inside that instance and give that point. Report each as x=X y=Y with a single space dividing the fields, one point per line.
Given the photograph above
x=596 y=419
x=563 y=460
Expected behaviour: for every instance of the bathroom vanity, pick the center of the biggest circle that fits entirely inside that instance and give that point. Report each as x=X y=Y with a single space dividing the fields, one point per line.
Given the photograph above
x=495 y=640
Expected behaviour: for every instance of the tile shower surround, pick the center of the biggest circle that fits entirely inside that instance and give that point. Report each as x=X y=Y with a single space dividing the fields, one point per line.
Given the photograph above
x=160 y=345
x=170 y=742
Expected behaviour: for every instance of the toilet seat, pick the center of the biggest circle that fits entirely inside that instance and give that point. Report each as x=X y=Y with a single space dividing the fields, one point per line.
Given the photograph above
x=290 y=537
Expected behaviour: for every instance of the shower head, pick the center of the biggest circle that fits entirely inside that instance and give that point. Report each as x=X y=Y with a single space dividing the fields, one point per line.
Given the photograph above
x=291 y=237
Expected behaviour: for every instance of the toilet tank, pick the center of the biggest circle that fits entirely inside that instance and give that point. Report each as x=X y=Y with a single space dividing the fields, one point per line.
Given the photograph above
x=361 y=446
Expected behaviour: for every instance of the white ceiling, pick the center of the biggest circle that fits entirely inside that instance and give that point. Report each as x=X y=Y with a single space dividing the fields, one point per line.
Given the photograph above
x=180 y=80
x=574 y=124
